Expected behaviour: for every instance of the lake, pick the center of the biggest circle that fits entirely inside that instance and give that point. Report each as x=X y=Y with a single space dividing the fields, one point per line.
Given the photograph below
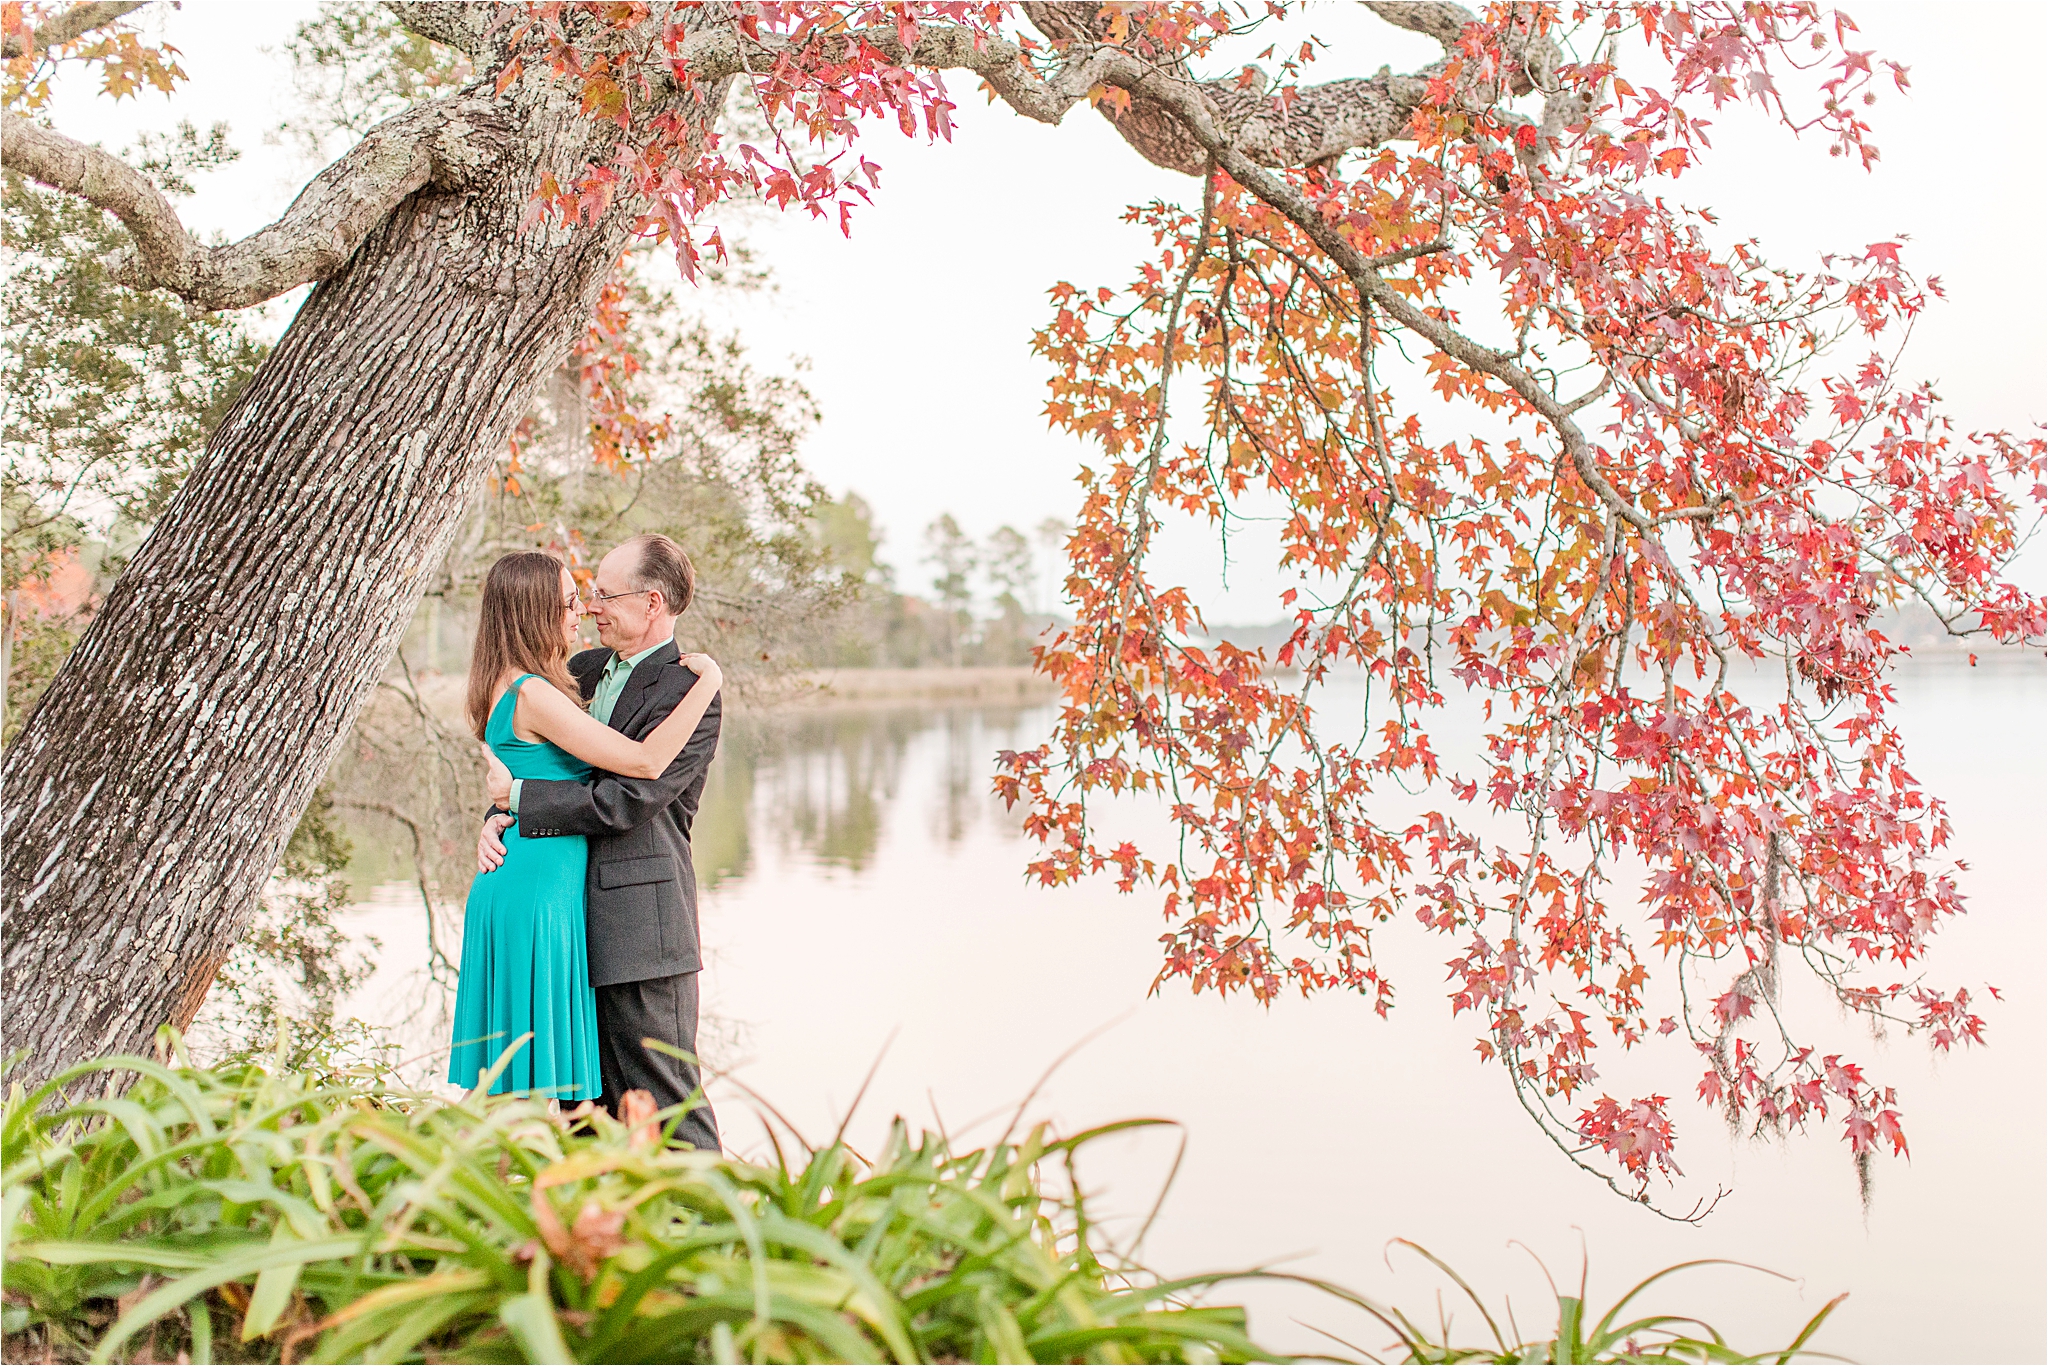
x=864 y=899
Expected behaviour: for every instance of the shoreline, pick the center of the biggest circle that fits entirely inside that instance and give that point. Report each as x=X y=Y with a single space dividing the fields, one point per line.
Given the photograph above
x=1015 y=683
x=1018 y=685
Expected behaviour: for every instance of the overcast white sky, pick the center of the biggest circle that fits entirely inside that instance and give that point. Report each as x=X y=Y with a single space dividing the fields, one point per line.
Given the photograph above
x=916 y=331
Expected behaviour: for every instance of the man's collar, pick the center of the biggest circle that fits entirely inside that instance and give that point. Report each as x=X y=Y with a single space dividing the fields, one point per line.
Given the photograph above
x=635 y=661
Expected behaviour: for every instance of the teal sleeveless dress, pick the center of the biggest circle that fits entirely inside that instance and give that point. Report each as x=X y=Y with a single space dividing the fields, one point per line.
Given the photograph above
x=525 y=966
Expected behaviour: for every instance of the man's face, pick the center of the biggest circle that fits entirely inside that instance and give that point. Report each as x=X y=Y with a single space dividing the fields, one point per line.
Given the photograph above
x=623 y=616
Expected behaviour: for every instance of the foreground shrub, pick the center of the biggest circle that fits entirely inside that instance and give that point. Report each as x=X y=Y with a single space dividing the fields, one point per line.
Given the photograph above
x=245 y=1213
x=238 y=1213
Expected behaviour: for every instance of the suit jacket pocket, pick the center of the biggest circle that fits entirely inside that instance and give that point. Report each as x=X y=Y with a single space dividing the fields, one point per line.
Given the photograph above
x=631 y=872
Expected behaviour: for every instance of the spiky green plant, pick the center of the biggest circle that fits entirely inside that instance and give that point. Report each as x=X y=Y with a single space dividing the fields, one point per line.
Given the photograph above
x=245 y=1213
x=250 y=1212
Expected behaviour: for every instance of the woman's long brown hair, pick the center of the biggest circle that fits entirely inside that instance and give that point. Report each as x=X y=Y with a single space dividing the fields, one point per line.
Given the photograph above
x=518 y=631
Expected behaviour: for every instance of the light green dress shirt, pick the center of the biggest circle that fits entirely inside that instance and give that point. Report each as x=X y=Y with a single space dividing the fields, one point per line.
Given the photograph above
x=610 y=684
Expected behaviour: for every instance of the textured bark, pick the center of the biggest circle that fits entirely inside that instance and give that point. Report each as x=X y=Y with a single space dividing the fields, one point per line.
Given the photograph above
x=448 y=144
x=1321 y=122
x=154 y=788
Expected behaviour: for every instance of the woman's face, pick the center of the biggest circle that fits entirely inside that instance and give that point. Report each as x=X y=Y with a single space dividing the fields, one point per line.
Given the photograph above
x=572 y=609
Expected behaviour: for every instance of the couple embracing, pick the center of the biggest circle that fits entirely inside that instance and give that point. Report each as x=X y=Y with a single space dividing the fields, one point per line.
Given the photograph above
x=579 y=941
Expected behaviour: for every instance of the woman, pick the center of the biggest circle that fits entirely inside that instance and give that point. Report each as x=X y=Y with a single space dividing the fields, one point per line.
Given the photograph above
x=524 y=965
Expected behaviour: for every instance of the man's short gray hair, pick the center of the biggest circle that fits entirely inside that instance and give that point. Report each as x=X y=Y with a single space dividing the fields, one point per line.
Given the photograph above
x=664 y=568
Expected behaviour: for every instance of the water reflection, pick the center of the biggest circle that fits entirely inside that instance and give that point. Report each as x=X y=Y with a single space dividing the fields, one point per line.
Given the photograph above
x=813 y=783
x=818 y=784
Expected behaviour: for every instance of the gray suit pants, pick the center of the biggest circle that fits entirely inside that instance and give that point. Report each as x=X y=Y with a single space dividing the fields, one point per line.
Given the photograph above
x=664 y=1009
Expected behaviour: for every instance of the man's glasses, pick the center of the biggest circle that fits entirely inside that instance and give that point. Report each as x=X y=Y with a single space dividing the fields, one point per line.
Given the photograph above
x=596 y=597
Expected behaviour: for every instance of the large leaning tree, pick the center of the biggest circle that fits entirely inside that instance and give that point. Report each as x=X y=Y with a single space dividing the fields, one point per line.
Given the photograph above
x=1664 y=560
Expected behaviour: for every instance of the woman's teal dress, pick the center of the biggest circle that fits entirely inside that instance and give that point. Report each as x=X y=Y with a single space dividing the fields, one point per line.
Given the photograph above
x=525 y=967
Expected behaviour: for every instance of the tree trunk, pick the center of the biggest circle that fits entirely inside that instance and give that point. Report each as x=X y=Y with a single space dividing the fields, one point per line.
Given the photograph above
x=153 y=790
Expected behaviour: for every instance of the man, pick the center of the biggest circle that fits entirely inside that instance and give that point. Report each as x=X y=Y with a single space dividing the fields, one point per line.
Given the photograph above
x=640 y=899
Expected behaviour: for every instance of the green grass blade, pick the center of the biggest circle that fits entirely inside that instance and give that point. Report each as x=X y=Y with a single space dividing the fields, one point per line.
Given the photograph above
x=1005 y=1338
x=1812 y=1326
x=1459 y=1281
x=532 y=1321
x=241 y=1266
x=1571 y=1323
x=117 y=1254
x=273 y=1292
x=1650 y=1280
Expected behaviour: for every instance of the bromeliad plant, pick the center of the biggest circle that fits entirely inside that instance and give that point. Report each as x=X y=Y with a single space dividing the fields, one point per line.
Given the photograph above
x=245 y=1213
x=240 y=1213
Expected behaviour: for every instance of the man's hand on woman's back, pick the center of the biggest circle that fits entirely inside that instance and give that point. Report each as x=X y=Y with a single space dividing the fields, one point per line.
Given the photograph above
x=490 y=849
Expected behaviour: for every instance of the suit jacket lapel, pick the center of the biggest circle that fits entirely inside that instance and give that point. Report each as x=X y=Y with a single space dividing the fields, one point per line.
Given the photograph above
x=642 y=678
x=586 y=681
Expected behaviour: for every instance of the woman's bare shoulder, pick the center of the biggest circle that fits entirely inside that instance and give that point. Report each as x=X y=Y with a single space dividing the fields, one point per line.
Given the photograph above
x=535 y=689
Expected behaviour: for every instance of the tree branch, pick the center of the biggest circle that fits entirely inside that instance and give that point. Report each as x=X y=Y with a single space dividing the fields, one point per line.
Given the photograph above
x=446 y=144
x=1433 y=18
x=1321 y=122
x=715 y=53
x=1318 y=123
x=72 y=23
x=464 y=26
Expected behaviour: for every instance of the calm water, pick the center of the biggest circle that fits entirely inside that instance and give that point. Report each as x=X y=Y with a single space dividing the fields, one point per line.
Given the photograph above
x=864 y=898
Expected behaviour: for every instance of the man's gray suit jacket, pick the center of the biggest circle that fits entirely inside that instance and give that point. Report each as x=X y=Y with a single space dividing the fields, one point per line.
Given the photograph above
x=641 y=895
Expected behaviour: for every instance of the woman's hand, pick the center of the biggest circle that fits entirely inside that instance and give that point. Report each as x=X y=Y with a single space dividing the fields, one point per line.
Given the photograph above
x=704 y=666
